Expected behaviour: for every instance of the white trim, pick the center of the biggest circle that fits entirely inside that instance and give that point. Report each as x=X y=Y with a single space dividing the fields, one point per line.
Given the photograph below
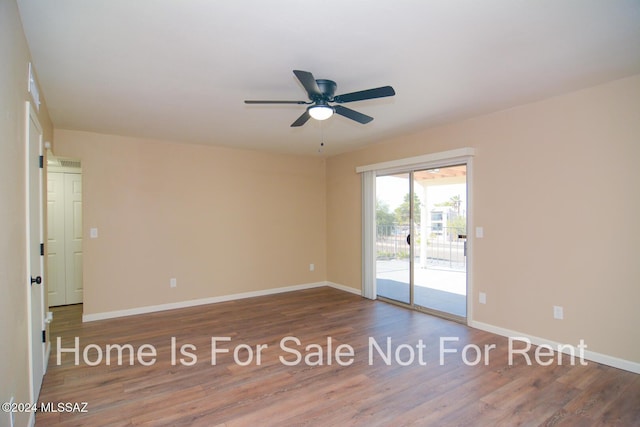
x=369 y=235
x=344 y=288
x=604 y=359
x=470 y=240
x=32 y=116
x=212 y=300
x=420 y=161
x=196 y=302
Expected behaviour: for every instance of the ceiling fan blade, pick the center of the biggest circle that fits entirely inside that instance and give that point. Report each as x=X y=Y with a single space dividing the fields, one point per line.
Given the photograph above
x=301 y=120
x=352 y=114
x=379 y=92
x=309 y=83
x=250 y=101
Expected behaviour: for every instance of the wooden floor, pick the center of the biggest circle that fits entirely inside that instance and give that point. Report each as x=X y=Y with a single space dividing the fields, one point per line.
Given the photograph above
x=274 y=394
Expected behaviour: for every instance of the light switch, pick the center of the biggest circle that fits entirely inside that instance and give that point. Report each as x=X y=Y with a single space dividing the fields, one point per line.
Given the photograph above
x=479 y=232
x=93 y=233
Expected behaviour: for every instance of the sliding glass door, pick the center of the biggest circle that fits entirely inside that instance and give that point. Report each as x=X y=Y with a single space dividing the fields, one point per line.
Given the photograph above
x=421 y=218
x=393 y=224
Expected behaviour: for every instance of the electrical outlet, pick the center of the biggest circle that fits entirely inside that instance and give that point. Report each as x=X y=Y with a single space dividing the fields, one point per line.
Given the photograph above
x=482 y=298
x=173 y=282
x=93 y=233
x=312 y=267
x=558 y=312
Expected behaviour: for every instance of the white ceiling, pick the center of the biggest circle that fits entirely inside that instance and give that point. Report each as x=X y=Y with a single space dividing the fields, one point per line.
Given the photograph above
x=180 y=69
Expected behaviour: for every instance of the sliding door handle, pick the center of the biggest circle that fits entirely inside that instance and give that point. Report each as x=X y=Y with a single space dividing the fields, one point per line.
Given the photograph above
x=36 y=280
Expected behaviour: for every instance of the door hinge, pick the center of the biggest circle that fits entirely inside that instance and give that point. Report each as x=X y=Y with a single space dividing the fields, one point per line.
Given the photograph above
x=41 y=162
x=41 y=249
x=44 y=336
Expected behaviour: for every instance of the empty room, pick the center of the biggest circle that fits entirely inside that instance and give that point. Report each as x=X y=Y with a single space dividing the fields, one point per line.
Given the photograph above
x=348 y=213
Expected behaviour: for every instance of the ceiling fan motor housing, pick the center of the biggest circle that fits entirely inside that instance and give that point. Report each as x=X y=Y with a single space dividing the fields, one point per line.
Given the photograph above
x=327 y=89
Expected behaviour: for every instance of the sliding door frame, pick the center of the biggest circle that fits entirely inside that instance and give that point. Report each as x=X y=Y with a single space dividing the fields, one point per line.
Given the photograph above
x=461 y=156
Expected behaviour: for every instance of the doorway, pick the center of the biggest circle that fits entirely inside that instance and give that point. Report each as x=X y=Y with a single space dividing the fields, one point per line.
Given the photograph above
x=64 y=231
x=420 y=239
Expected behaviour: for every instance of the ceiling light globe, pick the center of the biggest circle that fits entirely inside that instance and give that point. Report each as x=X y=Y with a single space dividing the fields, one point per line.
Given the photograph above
x=321 y=112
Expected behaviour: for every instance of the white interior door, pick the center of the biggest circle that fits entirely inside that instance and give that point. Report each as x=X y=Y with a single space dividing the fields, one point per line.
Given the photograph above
x=35 y=264
x=73 y=237
x=55 y=239
x=64 y=249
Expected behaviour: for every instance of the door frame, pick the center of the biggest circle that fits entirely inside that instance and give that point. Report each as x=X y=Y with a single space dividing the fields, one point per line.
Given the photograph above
x=35 y=310
x=369 y=173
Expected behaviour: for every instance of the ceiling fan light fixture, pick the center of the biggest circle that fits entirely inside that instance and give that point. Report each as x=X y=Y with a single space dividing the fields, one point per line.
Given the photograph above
x=321 y=112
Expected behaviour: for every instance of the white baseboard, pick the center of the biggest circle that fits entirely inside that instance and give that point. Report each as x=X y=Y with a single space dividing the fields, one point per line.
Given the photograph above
x=604 y=359
x=196 y=302
x=344 y=288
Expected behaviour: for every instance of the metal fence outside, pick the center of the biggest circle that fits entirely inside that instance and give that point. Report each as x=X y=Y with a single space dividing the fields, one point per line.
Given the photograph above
x=442 y=248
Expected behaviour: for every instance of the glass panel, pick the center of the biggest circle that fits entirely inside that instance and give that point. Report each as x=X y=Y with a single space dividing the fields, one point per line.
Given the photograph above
x=392 y=229
x=440 y=220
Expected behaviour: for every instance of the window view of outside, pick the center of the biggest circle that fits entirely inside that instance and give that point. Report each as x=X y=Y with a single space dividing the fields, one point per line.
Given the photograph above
x=446 y=220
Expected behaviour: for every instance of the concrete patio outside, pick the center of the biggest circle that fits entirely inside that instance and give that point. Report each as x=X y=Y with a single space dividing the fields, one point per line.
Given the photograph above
x=439 y=288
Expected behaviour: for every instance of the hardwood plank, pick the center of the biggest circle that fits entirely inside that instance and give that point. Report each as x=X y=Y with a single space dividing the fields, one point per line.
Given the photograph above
x=366 y=392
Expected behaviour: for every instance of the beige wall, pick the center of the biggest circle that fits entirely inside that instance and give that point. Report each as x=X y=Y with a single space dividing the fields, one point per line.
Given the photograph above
x=556 y=187
x=221 y=221
x=14 y=370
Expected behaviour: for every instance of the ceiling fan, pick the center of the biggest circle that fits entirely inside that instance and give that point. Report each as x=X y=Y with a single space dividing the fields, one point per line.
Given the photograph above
x=321 y=93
